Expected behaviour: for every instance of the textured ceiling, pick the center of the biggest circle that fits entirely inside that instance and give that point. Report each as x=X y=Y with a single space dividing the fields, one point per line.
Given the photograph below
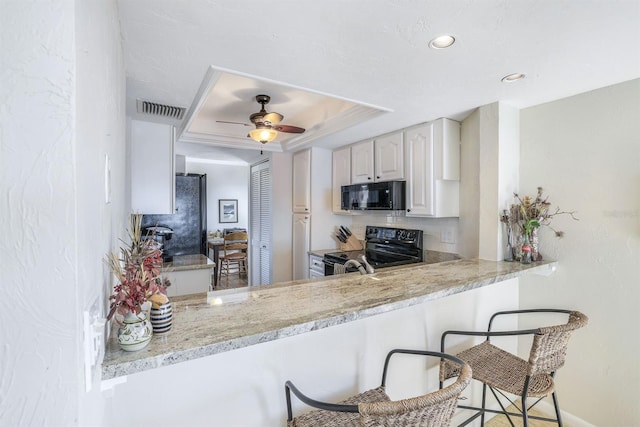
x=376 y=52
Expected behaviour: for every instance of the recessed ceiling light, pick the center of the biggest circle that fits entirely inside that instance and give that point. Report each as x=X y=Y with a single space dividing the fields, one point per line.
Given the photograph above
x=513 y=77
x=442 y=42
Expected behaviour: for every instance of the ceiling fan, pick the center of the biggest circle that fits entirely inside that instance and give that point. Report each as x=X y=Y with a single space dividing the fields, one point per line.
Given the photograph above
x=267 y=124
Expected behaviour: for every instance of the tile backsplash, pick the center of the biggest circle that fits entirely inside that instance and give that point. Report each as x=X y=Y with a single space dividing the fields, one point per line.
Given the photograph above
x=440 y=234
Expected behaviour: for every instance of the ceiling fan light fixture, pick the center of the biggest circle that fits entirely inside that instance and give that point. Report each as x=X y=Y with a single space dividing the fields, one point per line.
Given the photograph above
x=263 y=134
x=442 y=42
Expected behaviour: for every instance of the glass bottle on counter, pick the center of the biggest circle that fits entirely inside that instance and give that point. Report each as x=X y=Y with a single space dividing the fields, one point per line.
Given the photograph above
x=525 y=255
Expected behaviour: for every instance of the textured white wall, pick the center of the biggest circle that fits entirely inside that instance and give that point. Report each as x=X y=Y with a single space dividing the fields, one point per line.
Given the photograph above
x=61 y=112
x=99 y=132
x=585 y=152
x=39 y=378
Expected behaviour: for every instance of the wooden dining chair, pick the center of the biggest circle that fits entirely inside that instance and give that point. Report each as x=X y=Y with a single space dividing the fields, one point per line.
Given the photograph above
x=234 y=254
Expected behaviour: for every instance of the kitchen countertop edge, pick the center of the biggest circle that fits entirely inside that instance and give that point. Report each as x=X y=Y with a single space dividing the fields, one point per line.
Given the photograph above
x=119 y=363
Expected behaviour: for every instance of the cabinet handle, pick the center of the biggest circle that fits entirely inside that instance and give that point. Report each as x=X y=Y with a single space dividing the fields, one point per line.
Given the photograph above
x=368 y=177
x=408 y=210
x=377 y=177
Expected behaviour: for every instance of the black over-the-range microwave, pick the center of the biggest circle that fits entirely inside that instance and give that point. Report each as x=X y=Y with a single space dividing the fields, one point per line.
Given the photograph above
x=388 y=195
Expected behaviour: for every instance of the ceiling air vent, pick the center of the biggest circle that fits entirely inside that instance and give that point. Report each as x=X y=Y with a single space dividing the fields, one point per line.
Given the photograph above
x=161 y=110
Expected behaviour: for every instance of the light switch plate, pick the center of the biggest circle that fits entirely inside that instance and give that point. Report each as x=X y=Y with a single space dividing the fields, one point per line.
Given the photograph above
x=447 y=235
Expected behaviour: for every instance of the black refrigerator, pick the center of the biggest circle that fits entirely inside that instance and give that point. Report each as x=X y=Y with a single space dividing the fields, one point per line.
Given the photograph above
x=189 y=222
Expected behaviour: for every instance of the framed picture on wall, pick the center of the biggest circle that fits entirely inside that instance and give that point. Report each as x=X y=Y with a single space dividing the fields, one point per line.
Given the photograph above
x=228 y=210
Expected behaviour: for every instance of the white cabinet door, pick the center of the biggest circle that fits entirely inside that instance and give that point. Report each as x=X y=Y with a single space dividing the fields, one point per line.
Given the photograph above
x=433 y=169
x=362 y=162
x=316 y=266
x=420 y=170
x=301 y=233
x=302 y=181
x=341 y=175
x=389 y=157
x=153 y=178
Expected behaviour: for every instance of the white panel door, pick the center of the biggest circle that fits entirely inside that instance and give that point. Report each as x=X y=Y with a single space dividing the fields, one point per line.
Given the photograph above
x=301 y=234
x=302 y=181
x=152 y=168
x=362 y=162
x=389 y=157
x=341 y=175
x=420 y=183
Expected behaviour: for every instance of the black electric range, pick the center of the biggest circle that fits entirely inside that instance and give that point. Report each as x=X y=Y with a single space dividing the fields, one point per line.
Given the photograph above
x=384 y=247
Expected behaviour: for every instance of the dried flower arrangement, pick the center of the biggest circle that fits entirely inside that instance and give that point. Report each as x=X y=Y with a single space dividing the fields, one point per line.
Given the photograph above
x=523 y=220
x=137 y=270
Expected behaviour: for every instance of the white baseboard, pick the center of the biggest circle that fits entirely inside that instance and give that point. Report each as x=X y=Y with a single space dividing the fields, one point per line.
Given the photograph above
x=567 y=418
x=544 y=407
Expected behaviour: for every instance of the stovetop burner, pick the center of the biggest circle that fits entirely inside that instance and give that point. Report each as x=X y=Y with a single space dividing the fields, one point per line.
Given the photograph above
x=385 y=247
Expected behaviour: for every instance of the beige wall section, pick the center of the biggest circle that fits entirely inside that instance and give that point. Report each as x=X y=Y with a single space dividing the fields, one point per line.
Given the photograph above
x=509 y=166
x=585 y=152
x=469 y=186
x=281 y=175
x=489 y=176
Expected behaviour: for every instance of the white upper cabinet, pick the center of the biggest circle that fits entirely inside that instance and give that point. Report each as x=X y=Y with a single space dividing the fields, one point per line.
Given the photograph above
x=389 y=157
x=362 y=162
x=152 y=168
x=433 y=169
x=341 y=175
x=378 y=160
x=302 y=182
x=419 y=141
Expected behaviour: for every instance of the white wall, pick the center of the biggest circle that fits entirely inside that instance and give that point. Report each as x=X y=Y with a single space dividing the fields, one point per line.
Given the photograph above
x=224 y=182
x=323 y=221
x=245 y=387
x=57 y=125
x=585 y=152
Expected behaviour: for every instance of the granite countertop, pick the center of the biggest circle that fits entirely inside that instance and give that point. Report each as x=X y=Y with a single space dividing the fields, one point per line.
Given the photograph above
x=202 y=328
x=188 y=262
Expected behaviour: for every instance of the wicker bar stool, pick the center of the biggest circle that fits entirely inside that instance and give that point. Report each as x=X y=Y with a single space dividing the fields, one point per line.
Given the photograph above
x=503 y=372
x=374 y=407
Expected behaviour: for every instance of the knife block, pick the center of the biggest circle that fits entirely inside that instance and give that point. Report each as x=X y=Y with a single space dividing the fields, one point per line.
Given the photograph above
x=353 y=244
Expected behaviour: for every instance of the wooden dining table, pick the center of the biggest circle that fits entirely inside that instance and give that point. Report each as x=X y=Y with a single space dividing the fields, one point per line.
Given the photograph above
x=213 y=246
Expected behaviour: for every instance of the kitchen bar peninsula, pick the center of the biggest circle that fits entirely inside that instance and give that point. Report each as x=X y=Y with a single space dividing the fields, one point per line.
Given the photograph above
x=246 y=317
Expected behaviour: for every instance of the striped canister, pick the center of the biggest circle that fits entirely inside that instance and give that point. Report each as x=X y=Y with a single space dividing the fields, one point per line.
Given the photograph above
x=161 y=318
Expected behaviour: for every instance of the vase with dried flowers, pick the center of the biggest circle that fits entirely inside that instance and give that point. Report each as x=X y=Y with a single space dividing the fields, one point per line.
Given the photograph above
x=138 y=272
x=522 y=220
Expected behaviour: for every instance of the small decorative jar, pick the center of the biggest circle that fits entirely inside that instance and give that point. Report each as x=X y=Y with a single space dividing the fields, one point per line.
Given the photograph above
x=161 y=318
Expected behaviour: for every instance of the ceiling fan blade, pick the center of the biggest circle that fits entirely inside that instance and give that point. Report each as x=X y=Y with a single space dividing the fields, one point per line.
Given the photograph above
x=273 y=118
x=288 y=129
x=233 y=123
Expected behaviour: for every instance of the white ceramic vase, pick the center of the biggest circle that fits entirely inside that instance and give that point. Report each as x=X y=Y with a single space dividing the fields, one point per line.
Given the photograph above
x=135 y=332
